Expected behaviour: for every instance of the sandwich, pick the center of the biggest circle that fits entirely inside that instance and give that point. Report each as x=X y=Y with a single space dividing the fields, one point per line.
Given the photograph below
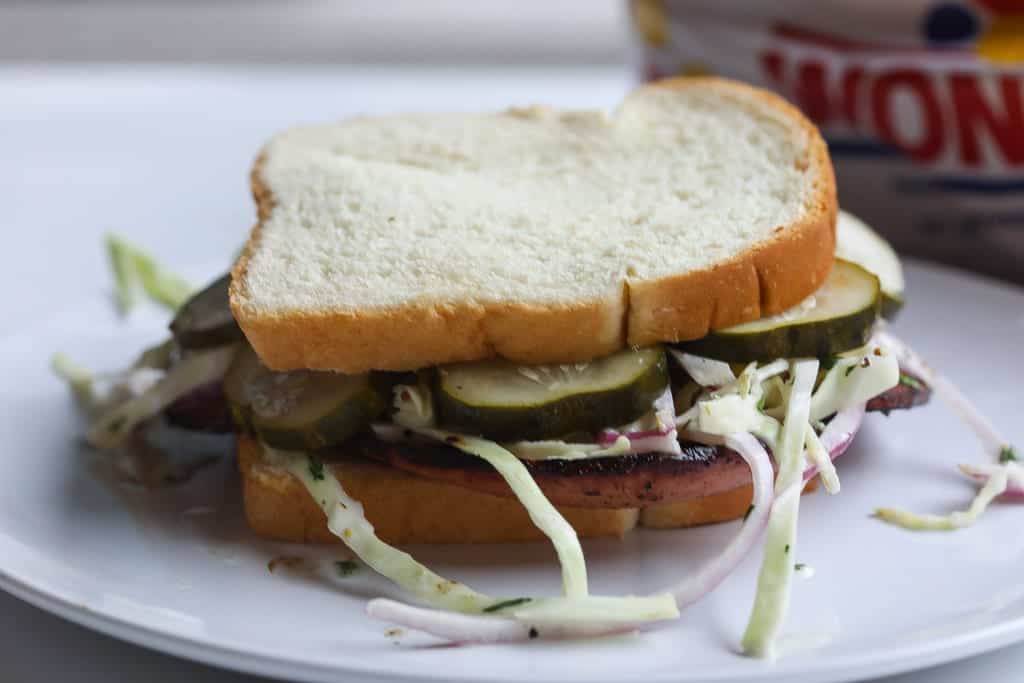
x=491 y=328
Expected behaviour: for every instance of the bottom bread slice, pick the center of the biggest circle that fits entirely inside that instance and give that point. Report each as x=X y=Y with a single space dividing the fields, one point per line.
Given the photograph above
x=405 y=508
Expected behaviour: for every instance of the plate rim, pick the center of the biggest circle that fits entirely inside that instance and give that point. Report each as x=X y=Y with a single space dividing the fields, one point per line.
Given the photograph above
x=843 y=669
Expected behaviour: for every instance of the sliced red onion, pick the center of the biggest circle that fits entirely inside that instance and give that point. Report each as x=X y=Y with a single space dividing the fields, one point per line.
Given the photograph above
x=838 y=434
x=986 y=432
x=479 y=629
x=1015 y=477
x=709 y=576
x=663 y=440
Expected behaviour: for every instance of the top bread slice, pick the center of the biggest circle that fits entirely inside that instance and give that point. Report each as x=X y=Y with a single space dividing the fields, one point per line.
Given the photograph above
x=540 y=236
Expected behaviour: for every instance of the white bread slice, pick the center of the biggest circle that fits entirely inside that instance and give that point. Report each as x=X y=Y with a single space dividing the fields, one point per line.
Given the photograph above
x=540 y=236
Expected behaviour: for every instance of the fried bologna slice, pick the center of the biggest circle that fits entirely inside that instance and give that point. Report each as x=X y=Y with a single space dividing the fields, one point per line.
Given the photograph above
x=405 y=508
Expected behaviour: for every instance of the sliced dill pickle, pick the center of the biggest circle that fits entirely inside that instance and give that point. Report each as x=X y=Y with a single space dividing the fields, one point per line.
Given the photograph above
x=206 y=320
x=244 y=365
x=509 y=402
x=858 y=243
x=300 y=410
x=838 y=317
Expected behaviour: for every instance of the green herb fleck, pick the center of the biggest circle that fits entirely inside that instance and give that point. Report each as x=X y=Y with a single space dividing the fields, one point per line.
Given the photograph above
x=1008 y=454
x=787 y=549
x=316 y=468
x=346 y=567
x=505 y=603
x=913 y=383
x=747 y=513
x=799 y=566
x=849 y=370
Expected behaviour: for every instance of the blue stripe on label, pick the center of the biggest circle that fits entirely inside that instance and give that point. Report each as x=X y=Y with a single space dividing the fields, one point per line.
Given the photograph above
x=861 y=148
x=961 y=184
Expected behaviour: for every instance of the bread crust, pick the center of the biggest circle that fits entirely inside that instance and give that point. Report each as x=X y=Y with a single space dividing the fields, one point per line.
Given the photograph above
x=402 y=507
x=771 y=276
x=405 y=508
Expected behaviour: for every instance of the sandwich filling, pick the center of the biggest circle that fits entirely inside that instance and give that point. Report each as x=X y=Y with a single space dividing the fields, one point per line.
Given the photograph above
x=769 y=404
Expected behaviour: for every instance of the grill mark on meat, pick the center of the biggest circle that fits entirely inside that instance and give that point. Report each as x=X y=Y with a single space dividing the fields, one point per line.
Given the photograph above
x=634 y=480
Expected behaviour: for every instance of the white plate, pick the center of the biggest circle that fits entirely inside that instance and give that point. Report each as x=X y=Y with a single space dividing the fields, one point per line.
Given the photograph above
x=177 y=571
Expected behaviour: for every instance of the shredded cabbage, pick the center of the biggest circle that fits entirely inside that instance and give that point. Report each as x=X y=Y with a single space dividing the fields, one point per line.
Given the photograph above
x=821 y=461
x=706 y=372
x=78 y=377
x=567 y=615
x=632 y=608
x=348 y=522
x=541 y=511
x=732 y=409
x=562 y=450
x=997 y=479
x=852 y=381
x=775 y=578
x=993 y=488
x=97 y=393
x=133 y=269
x=465 y=628
x=773 y=369
x=735 y=413
x=412 y=411
x=195 y=370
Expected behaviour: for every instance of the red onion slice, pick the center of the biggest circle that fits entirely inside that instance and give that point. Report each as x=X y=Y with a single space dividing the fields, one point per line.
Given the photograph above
x=664 y=440
x=708 y=577
x=986 y=432
x=466 y=629
x=980 y=474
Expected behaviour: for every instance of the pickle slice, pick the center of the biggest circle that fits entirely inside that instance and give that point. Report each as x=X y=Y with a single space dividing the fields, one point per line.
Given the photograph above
x=838 y=317
x=244 y=365
x=857 y=243
x=300 y=410
x=504 y=401
x=206 y=320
